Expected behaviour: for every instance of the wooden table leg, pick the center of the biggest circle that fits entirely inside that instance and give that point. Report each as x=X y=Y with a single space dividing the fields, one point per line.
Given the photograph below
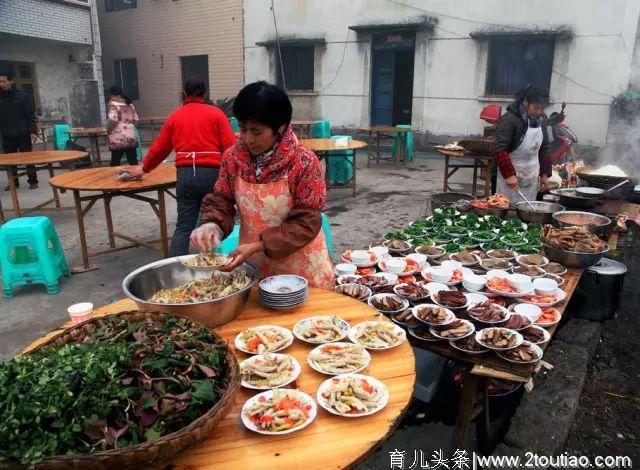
x=162 y=210
x=378 y=147
x=109 y=219
x=474 y=185
x=83 y=237
x=487 y=177
x=1 y=212
x=353 y=181
x=13 y=189
x=56 y=196
x=370 y=142
x=468 y=394
x=96 y=142
x=483 y=423
x=446 y=174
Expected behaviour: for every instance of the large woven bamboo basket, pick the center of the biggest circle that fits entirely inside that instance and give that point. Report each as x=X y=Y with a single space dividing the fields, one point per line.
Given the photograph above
x=152 y=452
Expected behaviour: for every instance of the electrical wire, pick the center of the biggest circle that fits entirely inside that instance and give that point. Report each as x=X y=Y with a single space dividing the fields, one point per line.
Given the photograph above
x=275 y=25
x=344 y=53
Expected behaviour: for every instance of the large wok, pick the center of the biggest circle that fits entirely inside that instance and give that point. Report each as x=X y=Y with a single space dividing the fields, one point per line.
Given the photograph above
x=141 y=284
x=607 y=181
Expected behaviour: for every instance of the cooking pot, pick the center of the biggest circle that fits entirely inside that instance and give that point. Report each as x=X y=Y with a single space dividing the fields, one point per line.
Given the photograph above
x=597 y=296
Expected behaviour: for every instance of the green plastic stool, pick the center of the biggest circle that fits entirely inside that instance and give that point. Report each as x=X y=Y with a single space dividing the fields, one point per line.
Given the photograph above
x=60 y=137
x=234 y=124
x=30 y=253
x=340 y=171
x=139 y=147
x=326 y=228
x=231 y=242
x=320 y=130
x=408 y=149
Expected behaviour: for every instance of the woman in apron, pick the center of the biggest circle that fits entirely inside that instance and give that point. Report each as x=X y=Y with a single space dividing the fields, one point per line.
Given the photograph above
x=276 y=185
x=199 y=133
x=521 y=147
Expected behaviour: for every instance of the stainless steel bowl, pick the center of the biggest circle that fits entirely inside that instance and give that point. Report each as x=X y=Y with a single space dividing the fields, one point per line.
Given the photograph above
x=601 y=225
x=141 y=284
x=569 y=197
x=573 y=259
x=497 y=211
x=542 y=214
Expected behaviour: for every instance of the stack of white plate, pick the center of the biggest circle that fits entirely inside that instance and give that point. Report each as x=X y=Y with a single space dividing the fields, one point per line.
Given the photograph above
x=283 y=292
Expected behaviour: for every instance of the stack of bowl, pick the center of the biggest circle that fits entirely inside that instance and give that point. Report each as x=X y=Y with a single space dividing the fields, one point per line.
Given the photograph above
x=283 y=292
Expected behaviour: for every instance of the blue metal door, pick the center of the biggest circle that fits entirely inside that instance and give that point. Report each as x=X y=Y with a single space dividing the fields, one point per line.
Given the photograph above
x=382 y=88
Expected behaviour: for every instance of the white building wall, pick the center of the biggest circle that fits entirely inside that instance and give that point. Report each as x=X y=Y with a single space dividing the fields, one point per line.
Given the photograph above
x=67 y=21
x=450 y=66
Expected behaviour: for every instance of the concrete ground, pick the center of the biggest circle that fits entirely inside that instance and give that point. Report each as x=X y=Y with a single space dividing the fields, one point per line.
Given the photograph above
x=387 y=198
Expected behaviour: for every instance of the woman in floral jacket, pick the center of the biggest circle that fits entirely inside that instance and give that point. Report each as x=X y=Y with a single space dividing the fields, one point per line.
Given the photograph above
x=277 y=186
x=121 y=131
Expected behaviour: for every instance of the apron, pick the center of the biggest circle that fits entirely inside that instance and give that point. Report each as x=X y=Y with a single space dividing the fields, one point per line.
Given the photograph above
x=263 y=206
x=525 y=160
x=193 y=155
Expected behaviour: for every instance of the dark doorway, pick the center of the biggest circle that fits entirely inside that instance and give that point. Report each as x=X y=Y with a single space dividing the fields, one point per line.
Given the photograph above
x=195 y=66
x=392 y=78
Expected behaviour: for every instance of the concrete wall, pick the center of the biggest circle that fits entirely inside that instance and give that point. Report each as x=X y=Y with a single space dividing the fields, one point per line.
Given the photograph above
x=62 y=94
x=46 y=19
x=157 y=33
x=450 y=66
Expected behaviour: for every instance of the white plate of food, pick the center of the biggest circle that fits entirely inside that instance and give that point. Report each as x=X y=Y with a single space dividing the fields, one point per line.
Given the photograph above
x=501 y=286
x=338 y=358
x=352 y=395
x=347 y=279
x=466 y=258
x=499 y=338
x=544 y=300
x=503 y=254
x=454 y=279
x=413 y=291
x=377 y=335
x=259 y=412
x=355 y=291
x=526 y=353
x=283 y=285
x=373 y=259
x=433 y=315
x=261 y=339
x=454 y=331
x=486 y=312
x=468 y=345
x=375 y=281
x=205 y=261
x=532 y=260
x=550 y=316
x=451 y=299
x=388 y=303
x=535 y=334
x=518 y=322
x=269 y=370
x=321 y=329
x=411 y=267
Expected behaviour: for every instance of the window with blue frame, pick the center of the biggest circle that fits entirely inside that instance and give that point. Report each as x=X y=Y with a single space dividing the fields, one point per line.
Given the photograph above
x=516 y=62
x=116 y=5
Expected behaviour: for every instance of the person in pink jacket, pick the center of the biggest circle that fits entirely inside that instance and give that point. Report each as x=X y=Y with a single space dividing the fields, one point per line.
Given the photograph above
x=121 y=130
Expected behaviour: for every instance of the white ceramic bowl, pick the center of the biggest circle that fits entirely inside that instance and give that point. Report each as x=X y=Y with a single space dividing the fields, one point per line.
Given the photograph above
x=441 y=274
x=434 y=287
x=380 y=251
x=545 y=286
x=395 y=265
x=390 y=277
x=451 y=264
x=532 y=312
x=418 y=258
x=475 y=299
x=346 y=269
x=360 y=257
x=474 y=282
x=522 y=282
x=496 y=273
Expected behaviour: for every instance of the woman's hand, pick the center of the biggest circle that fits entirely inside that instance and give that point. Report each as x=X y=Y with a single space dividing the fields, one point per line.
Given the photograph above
x=241 y=254
x=544 y=183
x=137 y=172
x=207 y=237
x=512 y=182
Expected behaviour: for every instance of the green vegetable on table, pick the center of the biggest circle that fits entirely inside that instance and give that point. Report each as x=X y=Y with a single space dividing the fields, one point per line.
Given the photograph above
x=457 y=231
x=452 y=248
x=514 y=239
x=413 y=231
x=446 y=209
x=494 y=245
x=493 y=220
x=120 y=385
x=467 y=242
x=526 y=250
x=396 y=236
x=423 y=241
x=422 y=223
x=483 y=235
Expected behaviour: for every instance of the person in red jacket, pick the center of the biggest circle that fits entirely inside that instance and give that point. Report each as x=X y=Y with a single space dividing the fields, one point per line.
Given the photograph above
x=199 y=133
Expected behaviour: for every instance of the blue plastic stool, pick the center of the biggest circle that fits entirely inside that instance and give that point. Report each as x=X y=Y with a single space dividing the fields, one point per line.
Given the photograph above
x=60 y=137
x=234 y=124
x=231 y=242
x=408 y=144
x=340 y=171
x=320 y=130
x=139 y=148
x=326 y=228
x=30 y=253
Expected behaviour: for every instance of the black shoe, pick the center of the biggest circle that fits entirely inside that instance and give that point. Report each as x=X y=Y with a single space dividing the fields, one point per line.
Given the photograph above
x=33 y=185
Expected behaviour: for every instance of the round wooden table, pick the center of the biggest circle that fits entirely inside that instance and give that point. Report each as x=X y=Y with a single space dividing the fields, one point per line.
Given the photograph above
x=151 y=121
x=104 y=180
x=387 y=132
x=479 y=162
x=43 y=159
x=93 y=134
x=322 y=147
x=330 y=441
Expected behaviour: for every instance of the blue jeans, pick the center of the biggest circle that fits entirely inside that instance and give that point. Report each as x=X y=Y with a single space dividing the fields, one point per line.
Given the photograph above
x=190 y=191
